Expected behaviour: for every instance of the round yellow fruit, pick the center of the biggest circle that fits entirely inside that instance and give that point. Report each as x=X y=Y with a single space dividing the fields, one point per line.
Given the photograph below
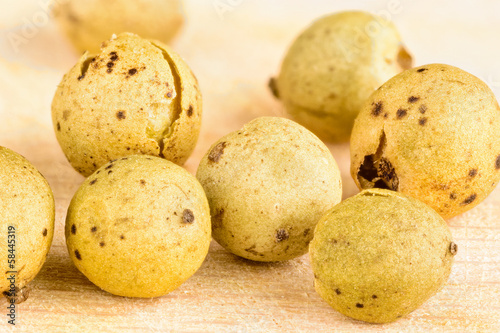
x=139 y=226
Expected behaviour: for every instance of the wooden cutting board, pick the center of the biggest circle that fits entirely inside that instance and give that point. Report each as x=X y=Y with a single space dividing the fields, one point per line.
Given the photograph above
x=233 y=53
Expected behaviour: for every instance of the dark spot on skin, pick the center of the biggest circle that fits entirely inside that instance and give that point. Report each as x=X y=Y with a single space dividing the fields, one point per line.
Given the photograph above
x=110 y=64
x=281 y=235
x=81 y=77
x=44 y=232
x=122 y=237
x=101 y=244
x=132 y=71
x=377 y=108
x=337 y=291
x=401 y=113
x=453 y=196
x=359 y=305
x=218 y=218
x=413 y=99
x=422 y=108
x=93 y=181
x=374 y=296
x=187 y=216
x=306 y=232
x=472 y=173
x=78 y=255
x=110 y=70
x=388 y=174
x=143 y=182
x=121 y=115
x=93 y=229
x=169 y=95
x=252 y=251
x=114 y=56
x=422 y=121
x=453 y=248
x=189 y=111
x=497 y=163
x=216 y=153
x=58 y=126
x=421 y=70
x=469 y=199
x=73 y=229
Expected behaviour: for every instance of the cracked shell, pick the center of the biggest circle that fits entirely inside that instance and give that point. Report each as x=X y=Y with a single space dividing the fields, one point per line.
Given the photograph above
x=268 y=185
x=139 y=226
x=379 y=255
x=88 y=22
x=135 y=97
x=333 y=67
x=27 y=221
x=432 y=133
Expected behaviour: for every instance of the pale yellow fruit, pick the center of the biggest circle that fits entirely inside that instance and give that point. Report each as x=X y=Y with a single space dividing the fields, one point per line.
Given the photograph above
x=431 y=132
x=139 y=227
x=89 y=22
x=135 y=97
x=27 y=222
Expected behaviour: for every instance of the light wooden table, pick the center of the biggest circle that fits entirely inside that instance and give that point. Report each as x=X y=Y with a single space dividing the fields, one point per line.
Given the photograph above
x=233 y=55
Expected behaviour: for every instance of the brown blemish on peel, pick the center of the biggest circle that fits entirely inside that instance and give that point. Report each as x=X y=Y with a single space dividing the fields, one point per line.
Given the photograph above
x=453 y=196
x=93 y=229
x=216 y=153
x=377 y=108
x=472 y=173
x=413 y=99
x=143 y=182
x=497 y=163
x=121 y=115
x=422 y=121
x=78 y=255
x=58 y=126
x=306 y=232
x=217 y=219
x=73 y=229
x=401 y=113
x=44 y=232
x=101 y=244
x=337 y=291
x=132 y=71
x=422 y=108
x=359 y=305
x=377 y=171
x=187 y=216
x=469 y=199
x=93 y=181
x=453 y=248
x=122 y=237
x=114 y=56
x=189 y=111
x=374 y=296
x=252 y=251
x=420 y=70
x=281 y=235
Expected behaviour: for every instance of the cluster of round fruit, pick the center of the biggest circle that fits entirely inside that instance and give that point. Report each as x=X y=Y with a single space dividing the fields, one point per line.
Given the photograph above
x=424 y=147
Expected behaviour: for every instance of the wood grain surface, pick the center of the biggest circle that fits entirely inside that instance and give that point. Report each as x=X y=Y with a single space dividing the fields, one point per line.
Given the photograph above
x=233 y=53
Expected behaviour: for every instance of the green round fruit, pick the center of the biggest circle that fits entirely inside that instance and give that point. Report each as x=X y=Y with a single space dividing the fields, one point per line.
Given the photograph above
x=379 y=255
x=334 y=66
x=268 y=185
